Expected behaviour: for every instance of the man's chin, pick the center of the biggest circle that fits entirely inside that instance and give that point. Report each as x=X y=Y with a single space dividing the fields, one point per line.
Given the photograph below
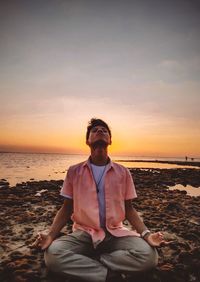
x=99 y=144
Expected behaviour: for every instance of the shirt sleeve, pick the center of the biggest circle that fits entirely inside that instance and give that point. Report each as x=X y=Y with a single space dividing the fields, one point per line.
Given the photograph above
x=130 y=187
x=67 y=188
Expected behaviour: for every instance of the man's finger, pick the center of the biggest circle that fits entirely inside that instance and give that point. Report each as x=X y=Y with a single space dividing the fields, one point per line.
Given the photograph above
x=36 y=243
x=165 y=243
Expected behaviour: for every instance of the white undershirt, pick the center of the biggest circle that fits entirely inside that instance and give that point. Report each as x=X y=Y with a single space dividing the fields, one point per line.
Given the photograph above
x=97 y=174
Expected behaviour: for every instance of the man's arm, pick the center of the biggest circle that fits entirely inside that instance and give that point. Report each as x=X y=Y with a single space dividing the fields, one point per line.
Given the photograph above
x=153 y=239
x=133 y=217
x=63 y=215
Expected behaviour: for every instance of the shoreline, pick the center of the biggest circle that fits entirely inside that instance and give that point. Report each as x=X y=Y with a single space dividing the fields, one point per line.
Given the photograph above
x=186 y=163
x=23 y=215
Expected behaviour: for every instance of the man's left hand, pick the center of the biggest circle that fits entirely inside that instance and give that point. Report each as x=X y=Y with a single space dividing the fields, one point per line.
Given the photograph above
x=156 y=239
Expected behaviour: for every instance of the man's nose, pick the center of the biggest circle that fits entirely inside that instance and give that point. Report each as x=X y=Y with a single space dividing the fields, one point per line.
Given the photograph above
x=99 y=129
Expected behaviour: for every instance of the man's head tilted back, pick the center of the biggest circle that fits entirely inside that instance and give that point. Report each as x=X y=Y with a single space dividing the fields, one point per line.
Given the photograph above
x=98 y=131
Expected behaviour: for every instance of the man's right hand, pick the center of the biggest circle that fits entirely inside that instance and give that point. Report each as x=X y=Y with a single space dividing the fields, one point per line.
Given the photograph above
x=43 y=241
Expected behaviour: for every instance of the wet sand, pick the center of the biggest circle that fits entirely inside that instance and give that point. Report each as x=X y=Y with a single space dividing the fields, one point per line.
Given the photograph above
x=23 y=214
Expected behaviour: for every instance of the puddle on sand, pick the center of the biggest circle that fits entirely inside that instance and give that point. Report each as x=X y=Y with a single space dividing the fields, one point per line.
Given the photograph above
x=191 y=191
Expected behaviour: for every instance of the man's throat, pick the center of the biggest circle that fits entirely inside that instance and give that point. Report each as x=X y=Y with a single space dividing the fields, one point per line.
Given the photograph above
x=99 y=160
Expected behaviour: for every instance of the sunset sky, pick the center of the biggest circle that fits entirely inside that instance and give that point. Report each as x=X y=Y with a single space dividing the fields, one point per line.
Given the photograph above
x=135 y=64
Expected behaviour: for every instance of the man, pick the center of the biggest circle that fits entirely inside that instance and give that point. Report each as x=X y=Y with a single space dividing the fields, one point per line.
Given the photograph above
x=98 y=196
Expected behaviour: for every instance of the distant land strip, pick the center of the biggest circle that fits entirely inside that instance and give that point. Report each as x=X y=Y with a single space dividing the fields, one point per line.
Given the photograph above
x=190 y=163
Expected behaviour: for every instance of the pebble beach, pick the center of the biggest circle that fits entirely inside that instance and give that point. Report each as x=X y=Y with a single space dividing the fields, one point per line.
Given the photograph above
x=29 y=207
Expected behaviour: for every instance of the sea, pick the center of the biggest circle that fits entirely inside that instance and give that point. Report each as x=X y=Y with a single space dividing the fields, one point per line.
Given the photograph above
x=22 y=167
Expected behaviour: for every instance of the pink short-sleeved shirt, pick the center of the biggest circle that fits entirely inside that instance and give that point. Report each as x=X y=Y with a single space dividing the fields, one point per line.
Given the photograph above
x=79 y=184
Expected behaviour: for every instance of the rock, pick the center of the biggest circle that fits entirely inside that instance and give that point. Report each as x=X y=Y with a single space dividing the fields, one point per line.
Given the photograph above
x=174 y=206
x=16 y=255
x=1 y=250
x=4 y=183
x=167 y=267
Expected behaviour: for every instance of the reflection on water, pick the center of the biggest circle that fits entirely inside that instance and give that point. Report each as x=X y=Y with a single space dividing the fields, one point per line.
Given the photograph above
x=19 y=167
x=191 y=191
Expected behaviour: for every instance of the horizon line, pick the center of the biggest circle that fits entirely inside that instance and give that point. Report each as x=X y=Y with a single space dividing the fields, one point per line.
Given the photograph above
x=82 y=154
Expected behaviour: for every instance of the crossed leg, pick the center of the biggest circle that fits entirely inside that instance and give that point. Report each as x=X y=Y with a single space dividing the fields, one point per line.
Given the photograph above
x=128 y=254
x=73 y=255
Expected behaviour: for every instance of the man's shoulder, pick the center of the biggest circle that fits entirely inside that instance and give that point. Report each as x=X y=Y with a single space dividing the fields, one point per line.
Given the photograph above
x=77 y=167
x=119 y=167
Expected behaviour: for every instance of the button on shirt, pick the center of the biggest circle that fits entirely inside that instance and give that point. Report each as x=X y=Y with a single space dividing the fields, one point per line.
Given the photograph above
x=79 y=185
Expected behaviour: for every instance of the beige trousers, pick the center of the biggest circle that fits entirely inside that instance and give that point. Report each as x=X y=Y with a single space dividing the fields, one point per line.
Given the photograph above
x=74 y=256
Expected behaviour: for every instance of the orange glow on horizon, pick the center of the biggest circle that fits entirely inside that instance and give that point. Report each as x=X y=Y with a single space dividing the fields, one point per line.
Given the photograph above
x=138 y=147
x=126 y=140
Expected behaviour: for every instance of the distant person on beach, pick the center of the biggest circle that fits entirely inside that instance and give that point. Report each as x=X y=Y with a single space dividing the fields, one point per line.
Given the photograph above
x=98 y=195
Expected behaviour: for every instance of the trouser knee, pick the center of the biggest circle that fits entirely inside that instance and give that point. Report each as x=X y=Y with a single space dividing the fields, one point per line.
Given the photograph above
x=51 y=260
x=54 y=260
x=150 y=259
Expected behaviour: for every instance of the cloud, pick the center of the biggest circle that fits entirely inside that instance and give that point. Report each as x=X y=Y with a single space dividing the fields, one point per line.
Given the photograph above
x=171 y=65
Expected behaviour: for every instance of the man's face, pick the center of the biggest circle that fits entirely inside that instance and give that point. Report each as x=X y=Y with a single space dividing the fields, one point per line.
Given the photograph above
x=99 y=133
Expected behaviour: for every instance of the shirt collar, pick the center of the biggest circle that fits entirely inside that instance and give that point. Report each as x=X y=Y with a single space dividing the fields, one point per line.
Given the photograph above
x=87 y=163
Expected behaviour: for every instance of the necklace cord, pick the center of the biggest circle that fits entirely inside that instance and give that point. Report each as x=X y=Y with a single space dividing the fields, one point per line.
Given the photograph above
x=100 y=178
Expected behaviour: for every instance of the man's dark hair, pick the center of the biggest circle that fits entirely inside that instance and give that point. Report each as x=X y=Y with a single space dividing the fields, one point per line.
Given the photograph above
x=96 y=122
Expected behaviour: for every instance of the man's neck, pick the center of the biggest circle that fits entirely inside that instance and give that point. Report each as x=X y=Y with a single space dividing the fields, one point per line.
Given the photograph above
x=99 y=160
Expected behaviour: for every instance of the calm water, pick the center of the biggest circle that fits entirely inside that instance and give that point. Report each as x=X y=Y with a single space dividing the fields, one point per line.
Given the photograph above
x=19 y=167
